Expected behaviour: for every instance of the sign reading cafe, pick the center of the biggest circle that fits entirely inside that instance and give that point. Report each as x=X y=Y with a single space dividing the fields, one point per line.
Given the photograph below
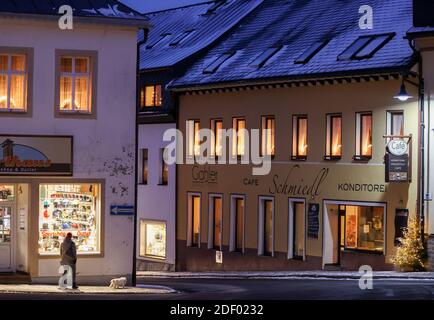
x=35 y=155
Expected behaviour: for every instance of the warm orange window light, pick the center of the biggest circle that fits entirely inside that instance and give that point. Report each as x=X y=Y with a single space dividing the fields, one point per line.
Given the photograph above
x=150 y=96
x=268 y=136
x=299 y=137
x=217 y=126
x=13 y=82
x=75 y=84
x=195 y=223
x=334 y=136
x=366 y=134
x=239 y=137
x=196 y=138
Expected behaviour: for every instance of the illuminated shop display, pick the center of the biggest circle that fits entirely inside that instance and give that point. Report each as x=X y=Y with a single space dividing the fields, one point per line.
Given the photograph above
x=71 y=208
x=153 y=236
x=364 y=228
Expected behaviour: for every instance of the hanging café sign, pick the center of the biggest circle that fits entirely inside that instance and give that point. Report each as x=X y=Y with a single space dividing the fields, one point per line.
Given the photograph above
x=35 y=155
x=398 y=159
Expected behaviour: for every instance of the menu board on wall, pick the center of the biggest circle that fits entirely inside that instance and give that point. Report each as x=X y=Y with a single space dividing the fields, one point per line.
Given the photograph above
x=401 y=221
x=313 y=220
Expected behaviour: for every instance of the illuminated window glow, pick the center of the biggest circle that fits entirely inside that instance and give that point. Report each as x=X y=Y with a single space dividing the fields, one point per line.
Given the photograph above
x=299 y=137
x=334 y=136
x=13 y=82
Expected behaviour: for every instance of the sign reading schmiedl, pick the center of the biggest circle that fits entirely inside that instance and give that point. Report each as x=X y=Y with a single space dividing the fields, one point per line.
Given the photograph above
x=35 y=155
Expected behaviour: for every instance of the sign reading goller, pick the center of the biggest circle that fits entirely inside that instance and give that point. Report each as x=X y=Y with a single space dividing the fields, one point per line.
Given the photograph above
x=35 y=155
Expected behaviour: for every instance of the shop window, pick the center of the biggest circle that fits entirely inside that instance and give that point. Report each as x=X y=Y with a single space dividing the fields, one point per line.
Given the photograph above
x=5 y=224
x=13 y=82
x=363 y=228
x=194 y=220
x=217 y=143
x=363 y=136
x=215 y=218
x=164 y=174
x=74 y=208
x=153 y=239
x=237 y=223
x=395 y=123
x=75 y=84
x=299 y=137
x=298 y=227
x=239 y=138
x=151 y=96
x=266 y=227
x=268 y=136
x=7 y=193
x=193 y=138
x=334 y=137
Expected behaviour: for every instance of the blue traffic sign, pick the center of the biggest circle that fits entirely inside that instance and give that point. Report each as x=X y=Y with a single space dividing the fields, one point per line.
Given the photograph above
x=116 y=210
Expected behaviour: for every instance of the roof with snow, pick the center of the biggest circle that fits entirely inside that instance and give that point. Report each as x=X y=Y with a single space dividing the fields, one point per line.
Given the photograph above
x=178 y=34
x=297 y=39
x=100 y=9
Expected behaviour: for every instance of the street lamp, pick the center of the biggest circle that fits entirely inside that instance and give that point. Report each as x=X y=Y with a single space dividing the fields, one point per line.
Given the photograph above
x=403 y=95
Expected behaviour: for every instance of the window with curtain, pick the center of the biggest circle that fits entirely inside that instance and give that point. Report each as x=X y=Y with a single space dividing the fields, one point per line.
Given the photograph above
x=239 y=126
x=299 y=137
x=13 y=82
x=395 y=123
x=193 y=138
x=363 y=136
x=268 y=135
x=217 y=146
x=151 y=96
x=194 y=217
x=75 y=84
x=334 y=137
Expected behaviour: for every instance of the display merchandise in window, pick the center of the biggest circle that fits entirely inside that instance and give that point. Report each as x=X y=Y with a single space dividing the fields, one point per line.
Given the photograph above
x=71 y=208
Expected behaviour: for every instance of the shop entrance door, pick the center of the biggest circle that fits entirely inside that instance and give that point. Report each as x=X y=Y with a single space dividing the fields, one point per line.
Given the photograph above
x=6 y=236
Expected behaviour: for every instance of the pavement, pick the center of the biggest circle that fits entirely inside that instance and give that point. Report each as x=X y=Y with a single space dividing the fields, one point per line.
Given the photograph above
x=338 y=275
x=91 y=290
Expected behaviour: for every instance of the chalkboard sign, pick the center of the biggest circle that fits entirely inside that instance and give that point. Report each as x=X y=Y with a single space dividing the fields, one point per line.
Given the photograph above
x=401 y=221
x=397 y=168
x=313 y=220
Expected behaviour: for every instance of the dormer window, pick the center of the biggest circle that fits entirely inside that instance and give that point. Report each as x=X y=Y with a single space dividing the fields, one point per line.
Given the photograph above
x=151 y=96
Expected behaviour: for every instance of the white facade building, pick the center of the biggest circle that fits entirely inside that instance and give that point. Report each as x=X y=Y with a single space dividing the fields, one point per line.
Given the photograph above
x=67 y=100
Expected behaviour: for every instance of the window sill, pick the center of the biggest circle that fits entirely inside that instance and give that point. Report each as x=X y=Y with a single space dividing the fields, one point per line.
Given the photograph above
x=332 y=158
x=365 y=251
x=163 y=184
x=6 y=111
x=75 y=114
x=299 y=158
x=362 y=158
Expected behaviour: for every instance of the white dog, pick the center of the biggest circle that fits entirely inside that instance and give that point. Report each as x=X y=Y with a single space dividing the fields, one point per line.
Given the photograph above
x=118 y=283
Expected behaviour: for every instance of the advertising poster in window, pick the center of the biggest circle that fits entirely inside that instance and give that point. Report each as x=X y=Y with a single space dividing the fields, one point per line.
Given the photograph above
x=401 y=222
x=35 y=155
x=155 y=240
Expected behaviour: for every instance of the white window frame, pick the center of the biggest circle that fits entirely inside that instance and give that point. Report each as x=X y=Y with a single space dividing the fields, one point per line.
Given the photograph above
x=73 y=75
x=190 y=196
x=9 y=73
x=233 y=223
x=389 y=125
x=261 y=226
x=291 y=226
x=211 y=244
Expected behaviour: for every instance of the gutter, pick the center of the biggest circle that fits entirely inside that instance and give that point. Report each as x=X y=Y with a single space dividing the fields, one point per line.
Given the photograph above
x=421 y=161
x=137 y=23
x=286 y=79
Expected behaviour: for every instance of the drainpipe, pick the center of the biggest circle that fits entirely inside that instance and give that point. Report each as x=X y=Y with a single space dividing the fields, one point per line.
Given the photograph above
x=421 y=178
x=136 y=155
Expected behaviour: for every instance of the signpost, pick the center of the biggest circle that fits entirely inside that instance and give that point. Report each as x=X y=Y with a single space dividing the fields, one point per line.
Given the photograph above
x=125 y=210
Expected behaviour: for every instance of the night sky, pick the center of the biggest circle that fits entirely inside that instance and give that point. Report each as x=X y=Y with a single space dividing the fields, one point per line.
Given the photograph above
x=154 y=5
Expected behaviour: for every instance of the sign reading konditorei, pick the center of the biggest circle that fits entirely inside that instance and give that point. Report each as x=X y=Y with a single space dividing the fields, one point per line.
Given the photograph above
x=35 y=155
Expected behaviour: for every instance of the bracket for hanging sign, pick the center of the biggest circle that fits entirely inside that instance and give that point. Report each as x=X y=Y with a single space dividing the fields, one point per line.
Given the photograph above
x=398 y=158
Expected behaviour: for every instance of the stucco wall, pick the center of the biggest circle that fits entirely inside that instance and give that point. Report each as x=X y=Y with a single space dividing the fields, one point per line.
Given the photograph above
x=103 y=147
x=154 y=201
x=283 y=103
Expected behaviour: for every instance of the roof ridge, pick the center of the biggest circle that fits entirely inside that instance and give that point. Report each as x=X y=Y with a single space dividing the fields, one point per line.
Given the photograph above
x=181 y=7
